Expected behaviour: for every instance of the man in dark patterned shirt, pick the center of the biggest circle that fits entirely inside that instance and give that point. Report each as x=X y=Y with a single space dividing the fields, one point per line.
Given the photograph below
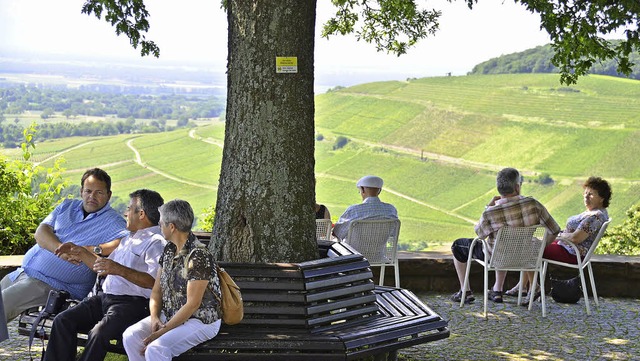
x=508 y=209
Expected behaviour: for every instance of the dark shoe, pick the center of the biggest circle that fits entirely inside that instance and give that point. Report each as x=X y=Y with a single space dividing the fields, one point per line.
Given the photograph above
x=456 y=297
x=525 y=300
x=495 y=296
x=514 y=292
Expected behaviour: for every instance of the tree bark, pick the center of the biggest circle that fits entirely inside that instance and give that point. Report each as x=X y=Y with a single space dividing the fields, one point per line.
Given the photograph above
x=264 y=211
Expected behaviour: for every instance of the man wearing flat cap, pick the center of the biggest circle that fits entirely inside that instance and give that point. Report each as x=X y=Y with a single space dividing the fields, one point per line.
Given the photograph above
x=371 y=207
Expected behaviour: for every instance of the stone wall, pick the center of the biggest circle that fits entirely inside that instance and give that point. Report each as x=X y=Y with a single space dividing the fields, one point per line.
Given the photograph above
x=615 y=276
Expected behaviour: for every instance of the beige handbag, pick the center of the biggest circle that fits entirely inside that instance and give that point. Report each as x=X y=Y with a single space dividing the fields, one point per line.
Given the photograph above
x=231 y=302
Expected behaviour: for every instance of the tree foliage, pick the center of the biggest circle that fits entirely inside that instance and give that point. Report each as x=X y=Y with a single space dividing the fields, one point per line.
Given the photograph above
x=129 y=17
x=623 y=239
x=577 y=27
x=28 y=194
x=341 y=141
x=391 y=25
x=538 y=60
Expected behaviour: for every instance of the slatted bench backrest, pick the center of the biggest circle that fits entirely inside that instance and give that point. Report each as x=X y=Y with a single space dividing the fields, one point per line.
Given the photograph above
x=312 y=295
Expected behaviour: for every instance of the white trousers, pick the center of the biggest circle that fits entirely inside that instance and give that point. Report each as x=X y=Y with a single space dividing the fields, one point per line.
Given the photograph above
x=171 y=344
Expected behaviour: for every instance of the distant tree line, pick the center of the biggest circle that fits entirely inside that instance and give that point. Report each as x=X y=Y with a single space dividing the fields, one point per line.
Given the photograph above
x=11 y=134
x=74 y=102
x=538 y=60
x=156 y=110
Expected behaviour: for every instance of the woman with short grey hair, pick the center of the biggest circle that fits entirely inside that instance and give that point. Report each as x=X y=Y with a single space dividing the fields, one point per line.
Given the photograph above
x=185 y=300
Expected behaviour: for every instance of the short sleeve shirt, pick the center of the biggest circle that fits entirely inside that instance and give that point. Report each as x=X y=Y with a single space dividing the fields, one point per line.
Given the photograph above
x=516 y=211
x=588 y=221
x=70 y=225
x=175 y=276
x=140 y=251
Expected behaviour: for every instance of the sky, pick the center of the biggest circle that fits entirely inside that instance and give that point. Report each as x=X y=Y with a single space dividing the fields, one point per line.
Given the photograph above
x=194 y=32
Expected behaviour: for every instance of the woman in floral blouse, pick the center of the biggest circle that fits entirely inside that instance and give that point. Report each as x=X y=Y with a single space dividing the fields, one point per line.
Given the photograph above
x=580 y=230
x=184 y=302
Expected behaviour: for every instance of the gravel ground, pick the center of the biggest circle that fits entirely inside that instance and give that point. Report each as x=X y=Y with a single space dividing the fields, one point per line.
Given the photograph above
x=511 y=332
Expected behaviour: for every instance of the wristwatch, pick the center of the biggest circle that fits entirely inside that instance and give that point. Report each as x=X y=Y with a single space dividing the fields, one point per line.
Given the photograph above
x=97 y=250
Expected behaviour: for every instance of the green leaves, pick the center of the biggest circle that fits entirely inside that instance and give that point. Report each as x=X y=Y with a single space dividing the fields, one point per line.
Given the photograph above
x=129 y=17
x=625 y=238
x=577 y=29
x=27 y=195
x=393 y=26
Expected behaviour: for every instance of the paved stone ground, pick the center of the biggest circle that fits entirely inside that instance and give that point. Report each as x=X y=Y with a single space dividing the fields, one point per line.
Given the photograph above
x=511 y=332
x=514 y=333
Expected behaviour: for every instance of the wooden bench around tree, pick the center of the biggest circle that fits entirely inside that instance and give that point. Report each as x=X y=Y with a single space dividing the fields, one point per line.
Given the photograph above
x=326 y=309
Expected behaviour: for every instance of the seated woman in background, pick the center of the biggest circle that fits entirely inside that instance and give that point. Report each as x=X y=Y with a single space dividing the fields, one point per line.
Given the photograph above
x=322 y=212
x=184 y=305
x=581 y=229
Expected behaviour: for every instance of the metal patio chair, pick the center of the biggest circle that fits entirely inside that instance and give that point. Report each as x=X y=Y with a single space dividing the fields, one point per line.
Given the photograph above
x=581 y=265
x=377 y=240
x=515 y=249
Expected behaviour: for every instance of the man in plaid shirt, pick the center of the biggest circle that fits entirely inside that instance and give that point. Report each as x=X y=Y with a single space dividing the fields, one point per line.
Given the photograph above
x=508 y=209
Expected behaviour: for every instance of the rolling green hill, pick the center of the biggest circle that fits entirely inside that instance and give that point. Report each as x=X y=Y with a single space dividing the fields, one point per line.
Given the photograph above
x=437 y=142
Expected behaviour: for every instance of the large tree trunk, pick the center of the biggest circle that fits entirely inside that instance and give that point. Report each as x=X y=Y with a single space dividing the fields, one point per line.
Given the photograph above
x=264 y=211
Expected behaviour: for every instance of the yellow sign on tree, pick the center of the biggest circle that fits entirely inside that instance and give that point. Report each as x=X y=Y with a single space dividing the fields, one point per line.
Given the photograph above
x=286 y=64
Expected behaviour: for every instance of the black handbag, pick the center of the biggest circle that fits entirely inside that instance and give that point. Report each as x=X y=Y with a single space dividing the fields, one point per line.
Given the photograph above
x=57 y=302
x=566 y=291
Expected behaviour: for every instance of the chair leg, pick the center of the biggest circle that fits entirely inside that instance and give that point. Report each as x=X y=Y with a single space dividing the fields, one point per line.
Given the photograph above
x=382 y=275
x=593 y=285
x=465 y=284
x=532 y=289
x=396 y=271
x=584 y=291
x=520 y=286
x=486 y=290
x=542 y=296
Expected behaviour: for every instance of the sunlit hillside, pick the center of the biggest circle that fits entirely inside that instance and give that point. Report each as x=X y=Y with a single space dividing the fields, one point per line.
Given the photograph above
x=437 y=142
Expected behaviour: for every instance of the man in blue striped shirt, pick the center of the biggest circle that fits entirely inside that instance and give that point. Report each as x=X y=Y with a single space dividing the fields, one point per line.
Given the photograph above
x=370 y=208
x=87 y=222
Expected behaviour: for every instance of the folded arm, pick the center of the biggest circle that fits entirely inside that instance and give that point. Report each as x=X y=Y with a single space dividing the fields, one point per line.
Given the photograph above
x=576 y=237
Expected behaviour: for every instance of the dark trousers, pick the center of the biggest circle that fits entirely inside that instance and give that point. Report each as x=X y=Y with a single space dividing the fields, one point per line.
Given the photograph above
x=460 y=249
x=103 y=317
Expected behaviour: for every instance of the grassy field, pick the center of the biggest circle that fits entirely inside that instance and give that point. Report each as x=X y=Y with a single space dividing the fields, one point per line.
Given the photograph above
x=437 y=142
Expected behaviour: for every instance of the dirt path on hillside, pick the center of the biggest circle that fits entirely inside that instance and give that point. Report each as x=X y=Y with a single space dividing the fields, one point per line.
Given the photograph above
x=436 y=157
x=63 y=152
x=192 y=134
x=402 y=195
x=475 y=165
x=138 y=160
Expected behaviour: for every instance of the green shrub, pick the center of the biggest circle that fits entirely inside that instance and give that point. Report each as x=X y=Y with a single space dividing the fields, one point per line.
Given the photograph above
x=335 y=89
x=340 y=142
x=209 y=215
x=623 y=239
x=27 y=196
x=543 y=179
